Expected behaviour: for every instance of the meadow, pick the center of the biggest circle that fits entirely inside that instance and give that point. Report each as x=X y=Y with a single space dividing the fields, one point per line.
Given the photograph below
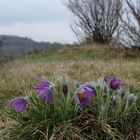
x=77 y=64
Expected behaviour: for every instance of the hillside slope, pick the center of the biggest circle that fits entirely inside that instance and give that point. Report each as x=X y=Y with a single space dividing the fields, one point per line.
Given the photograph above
x=85 y=63
x=15 y=46
x=78 y=64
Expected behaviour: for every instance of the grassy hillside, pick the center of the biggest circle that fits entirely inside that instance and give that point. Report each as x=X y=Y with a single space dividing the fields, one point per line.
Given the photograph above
x=12 y=47
x=84 y=63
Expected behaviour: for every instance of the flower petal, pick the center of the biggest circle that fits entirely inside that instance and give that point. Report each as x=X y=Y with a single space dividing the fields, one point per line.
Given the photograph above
x=18 y=103
x=85 y=101
x=46 y=95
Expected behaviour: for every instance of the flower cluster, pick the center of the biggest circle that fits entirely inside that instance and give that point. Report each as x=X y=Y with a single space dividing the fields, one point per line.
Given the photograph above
x=111 y=86
x=59 y=105
x=115 y=89
x=44 y=92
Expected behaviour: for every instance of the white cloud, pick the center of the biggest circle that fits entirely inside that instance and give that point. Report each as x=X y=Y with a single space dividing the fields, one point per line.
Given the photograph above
x=42 y=20
x=32 y=11
x=52 y=32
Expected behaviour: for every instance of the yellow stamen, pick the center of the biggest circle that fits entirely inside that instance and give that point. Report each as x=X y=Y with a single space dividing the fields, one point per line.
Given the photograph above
x=81 y=95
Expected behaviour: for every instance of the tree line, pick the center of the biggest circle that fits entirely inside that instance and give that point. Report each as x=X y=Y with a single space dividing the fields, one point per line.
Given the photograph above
x=106 y=21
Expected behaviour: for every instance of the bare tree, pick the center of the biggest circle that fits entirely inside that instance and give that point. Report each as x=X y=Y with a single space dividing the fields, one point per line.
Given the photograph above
x=131 y=36
x=96 y=20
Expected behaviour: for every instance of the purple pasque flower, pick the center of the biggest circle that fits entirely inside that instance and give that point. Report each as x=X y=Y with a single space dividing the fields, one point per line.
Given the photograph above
x=44 y=90
x=83 y=94
x=19 y=104
x=42 y=84
x=113 y=82
x=46 y=95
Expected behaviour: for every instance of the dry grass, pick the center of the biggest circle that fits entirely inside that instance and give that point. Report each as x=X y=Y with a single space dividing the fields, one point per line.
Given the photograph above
x=19 y=76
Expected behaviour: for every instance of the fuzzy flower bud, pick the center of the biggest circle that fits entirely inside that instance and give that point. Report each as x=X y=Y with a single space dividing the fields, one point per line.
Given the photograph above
x=65 y=90
x=114 y=101
x=131 y=99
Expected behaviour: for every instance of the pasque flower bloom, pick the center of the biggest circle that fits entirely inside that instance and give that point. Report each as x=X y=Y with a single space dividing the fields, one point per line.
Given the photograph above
x=44 y=91
x=113 y=82
x=42 y=84
x=46 y=95
x=83 y=94
x=19 y=104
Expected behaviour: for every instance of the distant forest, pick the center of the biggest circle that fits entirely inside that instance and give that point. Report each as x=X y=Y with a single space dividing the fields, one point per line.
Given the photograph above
x=13 y=46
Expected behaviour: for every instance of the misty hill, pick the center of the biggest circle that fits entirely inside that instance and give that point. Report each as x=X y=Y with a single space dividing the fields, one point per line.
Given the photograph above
x=15 y=46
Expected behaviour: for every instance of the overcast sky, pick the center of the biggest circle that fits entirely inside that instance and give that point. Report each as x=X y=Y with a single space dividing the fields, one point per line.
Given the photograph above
x=42 y=20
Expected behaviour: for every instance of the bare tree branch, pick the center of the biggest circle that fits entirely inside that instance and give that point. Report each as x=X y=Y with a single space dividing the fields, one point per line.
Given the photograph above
x=96 y=20
x=132 y=25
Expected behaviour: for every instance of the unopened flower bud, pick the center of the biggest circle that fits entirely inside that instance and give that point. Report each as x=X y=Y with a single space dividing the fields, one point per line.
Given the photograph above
x=114 y=101
x=65 y=90
x=123 y=92
x=106 y=90
x=131 y=99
